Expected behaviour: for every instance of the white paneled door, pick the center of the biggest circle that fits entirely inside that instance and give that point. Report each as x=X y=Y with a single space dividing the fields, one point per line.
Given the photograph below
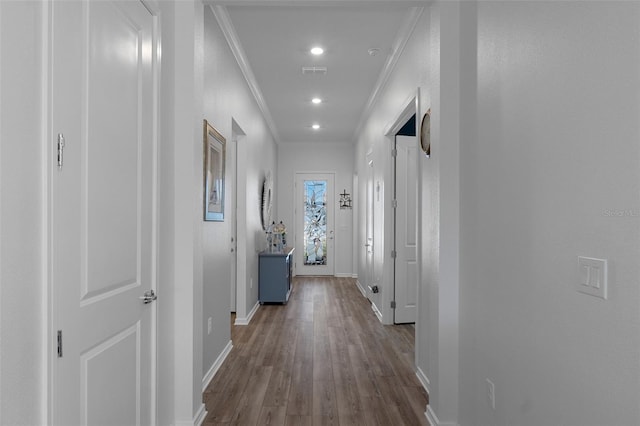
x=103 y=215
x=406 y=222
x=369 y=275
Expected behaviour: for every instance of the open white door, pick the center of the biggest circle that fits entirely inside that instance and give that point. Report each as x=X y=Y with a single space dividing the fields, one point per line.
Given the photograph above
x=369 y=276
x=406 y=215
x=103 y=195
x=232 y=197
x=314 y=223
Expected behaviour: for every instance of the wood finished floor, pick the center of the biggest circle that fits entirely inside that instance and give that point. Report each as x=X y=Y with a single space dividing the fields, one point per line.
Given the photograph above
x=322 y=359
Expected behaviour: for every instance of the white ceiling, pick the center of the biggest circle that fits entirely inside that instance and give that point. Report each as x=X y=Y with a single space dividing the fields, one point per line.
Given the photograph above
x=272 y=39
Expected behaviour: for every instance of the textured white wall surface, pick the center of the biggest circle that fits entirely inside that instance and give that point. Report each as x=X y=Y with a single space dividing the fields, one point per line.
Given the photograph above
x=554 y=153
x=535 y=165
x=226 y=98
x=22 y=232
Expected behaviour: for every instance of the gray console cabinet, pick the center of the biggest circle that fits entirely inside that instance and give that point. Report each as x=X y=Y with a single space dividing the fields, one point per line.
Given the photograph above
x=275 y=276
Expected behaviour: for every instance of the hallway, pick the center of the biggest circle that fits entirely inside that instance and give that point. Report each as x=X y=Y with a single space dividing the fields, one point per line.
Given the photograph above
x=324 y=358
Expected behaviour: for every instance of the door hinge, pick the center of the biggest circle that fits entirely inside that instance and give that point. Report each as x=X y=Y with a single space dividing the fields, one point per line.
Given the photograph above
x=393 y=304
x=60 y=150
x=394 y=254
x=394 y=153
x=394 y=204
x=59 y=343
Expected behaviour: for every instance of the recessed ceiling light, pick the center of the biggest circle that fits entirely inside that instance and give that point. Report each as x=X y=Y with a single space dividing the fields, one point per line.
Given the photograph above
x=316 y=100
x=317 y=50
x=315 y=126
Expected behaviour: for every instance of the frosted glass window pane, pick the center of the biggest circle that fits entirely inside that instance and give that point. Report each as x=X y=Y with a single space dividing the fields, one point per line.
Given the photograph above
x=315 y=222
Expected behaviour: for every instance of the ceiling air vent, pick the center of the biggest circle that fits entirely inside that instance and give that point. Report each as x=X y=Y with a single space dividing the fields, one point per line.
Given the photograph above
x=314 y=70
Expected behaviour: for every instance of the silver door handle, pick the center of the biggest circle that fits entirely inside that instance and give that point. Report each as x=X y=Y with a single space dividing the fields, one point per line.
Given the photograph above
x=148 y=297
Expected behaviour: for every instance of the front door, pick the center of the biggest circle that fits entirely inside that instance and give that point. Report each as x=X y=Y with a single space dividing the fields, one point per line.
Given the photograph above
x=103 y=206
x=314 y=224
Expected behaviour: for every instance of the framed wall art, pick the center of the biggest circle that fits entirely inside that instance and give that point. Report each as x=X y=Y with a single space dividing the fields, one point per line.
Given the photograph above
x=214 y=169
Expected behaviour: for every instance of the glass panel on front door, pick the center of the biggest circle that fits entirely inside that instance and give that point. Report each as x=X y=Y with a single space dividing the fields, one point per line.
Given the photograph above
x=315 y=222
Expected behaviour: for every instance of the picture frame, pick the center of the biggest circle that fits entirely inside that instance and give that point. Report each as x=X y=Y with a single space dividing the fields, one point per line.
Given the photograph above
x=214 y=173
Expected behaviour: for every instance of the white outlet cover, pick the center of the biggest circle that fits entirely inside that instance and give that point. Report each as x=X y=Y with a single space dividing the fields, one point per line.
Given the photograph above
x=592 y=276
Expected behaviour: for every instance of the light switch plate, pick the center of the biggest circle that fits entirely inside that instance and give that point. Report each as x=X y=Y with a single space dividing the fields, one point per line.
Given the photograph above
x=593 y=276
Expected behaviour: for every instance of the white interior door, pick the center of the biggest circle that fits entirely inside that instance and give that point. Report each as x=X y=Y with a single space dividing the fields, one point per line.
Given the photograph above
x=103 y=212
x=232 y=173
x=369 y=233
x=406 y=215
x=314 y=224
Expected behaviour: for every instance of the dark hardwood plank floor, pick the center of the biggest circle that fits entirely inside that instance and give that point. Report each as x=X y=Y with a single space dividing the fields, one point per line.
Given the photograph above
x=322 y=359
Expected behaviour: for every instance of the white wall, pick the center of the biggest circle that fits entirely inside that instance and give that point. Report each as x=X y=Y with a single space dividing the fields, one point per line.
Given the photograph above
x=334 y=157
x=180 y=275
x=534 y=162
x=23 y=307
x=553 y=161
x=410 y=74
x=438 y=329
x=227 y=99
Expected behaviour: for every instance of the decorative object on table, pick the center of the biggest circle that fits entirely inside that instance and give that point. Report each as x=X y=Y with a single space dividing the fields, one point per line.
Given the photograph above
x=276 y=237
x=214 y=155
x=267 y=201
x=345 y=200
x=425 y=133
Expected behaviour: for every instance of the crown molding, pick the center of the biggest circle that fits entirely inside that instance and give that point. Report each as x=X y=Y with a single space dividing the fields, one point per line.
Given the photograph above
x=409 y=25
x=224 y=20
x=332 y=3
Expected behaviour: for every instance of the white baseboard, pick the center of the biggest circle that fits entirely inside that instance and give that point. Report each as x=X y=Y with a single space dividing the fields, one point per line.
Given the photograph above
x=423 y=379
x=364 y=293
x=354 y=276
x=197 y=420
x=433 y=419
x=245 y=321
x=376 y=311
x=431 y=416
x=343 y=275
x=216 y=366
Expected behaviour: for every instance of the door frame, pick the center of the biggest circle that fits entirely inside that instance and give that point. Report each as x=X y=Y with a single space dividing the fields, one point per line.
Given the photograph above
x=48 y=165
x=410 y=107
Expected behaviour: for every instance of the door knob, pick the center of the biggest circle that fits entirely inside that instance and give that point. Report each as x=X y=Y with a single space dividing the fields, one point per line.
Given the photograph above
x=148 y=297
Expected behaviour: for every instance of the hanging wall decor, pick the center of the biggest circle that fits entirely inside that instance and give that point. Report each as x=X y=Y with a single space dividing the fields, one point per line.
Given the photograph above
x=345 y=200
x=214 y=162
x=425 y=133
x=266 y=205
